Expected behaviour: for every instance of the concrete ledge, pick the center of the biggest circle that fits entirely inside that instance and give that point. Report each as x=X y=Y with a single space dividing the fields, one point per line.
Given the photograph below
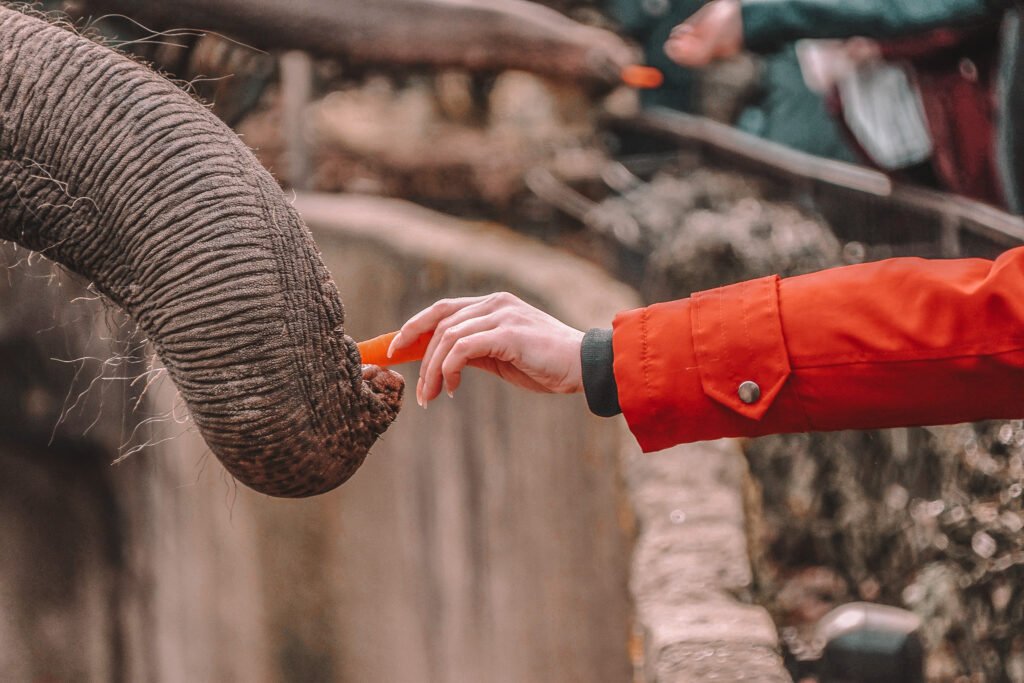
x=719 y=662
x=691 y=575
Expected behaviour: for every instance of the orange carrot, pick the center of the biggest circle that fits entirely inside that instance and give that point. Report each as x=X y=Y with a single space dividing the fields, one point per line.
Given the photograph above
x=644 y=77
x=375 y=351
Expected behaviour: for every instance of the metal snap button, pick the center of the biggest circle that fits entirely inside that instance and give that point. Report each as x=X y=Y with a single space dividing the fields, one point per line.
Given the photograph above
x=749 y=392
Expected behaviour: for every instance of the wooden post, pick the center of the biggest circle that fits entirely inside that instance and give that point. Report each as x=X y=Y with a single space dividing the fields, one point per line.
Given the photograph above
x=297 y=92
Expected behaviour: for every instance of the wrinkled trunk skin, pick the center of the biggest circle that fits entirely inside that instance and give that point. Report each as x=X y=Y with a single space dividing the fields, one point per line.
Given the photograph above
x=480 y=35
x=113 y=172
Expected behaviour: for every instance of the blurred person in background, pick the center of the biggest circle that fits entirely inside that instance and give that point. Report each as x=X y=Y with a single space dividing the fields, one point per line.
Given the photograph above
x=649 y=23
x=954 y=73
x=873 y=99
x=954 y=91
x=919 y=109
x=780 y=108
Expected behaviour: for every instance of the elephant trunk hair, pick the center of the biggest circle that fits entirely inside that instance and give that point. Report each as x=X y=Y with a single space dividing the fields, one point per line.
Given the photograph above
x=112 y=171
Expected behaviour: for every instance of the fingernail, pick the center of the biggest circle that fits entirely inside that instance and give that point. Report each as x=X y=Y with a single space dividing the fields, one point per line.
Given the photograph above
x=451 y=394
x=419 y=388
x=391 y=346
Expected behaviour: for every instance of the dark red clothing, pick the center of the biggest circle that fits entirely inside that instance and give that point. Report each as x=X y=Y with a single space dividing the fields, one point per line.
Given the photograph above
x=955 y=74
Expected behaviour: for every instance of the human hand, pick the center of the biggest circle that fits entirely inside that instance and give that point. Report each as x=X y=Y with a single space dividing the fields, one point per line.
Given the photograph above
x=714 y=32
x=498 y=333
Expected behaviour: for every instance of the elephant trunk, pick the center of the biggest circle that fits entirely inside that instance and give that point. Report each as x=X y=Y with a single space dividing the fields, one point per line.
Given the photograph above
x=113 y=172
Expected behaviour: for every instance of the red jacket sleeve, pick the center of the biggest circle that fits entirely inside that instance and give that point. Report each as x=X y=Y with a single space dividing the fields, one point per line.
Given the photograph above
x=894 y=343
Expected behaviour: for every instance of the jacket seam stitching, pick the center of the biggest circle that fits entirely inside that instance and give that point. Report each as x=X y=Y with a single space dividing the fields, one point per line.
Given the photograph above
x=793 y=382
x=644 y=356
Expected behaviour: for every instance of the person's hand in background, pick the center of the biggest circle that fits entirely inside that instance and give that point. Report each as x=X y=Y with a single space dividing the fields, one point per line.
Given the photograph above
x=498 y=333
x=714 y=32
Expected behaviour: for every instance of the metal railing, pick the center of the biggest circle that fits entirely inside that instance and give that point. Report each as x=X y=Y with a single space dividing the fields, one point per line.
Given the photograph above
x=860 y=203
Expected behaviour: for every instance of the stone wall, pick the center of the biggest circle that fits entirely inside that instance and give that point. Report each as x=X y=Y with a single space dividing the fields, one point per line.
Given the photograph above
x=691 y=576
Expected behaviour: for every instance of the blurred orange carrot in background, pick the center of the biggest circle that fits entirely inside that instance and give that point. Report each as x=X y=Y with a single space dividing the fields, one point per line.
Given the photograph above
x=643 y=77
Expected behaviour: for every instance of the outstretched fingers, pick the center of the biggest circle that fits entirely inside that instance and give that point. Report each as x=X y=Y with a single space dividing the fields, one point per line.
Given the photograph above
x=427 y=320
x=498 y=333
x=439 y=365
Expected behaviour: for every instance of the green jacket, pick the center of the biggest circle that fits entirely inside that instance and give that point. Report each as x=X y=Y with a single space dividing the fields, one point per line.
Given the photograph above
x=769 y=24
x=785 y=111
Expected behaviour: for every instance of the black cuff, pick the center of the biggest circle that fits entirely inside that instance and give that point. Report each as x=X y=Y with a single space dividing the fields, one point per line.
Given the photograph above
x=598 y=375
